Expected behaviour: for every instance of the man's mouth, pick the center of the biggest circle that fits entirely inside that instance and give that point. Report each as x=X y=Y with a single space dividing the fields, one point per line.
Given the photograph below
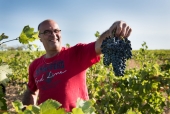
x=55 y=40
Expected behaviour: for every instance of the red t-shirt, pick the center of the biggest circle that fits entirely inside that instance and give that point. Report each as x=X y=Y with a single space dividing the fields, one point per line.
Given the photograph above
x=64 y=78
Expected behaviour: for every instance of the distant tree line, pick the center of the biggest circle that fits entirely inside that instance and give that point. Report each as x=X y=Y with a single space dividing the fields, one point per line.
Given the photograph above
x=4 y=47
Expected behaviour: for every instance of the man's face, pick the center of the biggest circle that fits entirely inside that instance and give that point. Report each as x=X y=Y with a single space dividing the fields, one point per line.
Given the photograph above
x=50 y=36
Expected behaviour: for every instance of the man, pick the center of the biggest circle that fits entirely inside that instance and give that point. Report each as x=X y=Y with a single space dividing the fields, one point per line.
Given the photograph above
x=60 y=74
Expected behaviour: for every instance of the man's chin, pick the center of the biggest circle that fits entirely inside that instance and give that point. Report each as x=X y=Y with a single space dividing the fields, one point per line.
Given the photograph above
x=55 y=47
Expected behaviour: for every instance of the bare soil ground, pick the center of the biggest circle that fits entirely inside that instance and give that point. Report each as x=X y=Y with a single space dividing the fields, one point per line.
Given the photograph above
x=12 y=94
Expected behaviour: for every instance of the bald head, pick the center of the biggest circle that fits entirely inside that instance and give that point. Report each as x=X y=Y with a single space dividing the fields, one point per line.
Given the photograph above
x=45 y=21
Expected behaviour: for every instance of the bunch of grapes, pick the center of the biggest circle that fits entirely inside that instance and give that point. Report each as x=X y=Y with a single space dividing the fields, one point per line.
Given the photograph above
x=116 y=51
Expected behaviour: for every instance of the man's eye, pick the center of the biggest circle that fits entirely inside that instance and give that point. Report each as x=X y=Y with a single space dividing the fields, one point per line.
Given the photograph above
x=56 y=31
x=47 y=31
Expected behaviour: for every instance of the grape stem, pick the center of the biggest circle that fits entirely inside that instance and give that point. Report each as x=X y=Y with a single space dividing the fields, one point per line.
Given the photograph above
x=121 y=37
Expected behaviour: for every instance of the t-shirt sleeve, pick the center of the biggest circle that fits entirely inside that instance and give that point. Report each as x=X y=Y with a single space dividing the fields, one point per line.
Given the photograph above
x=87 y=54
x=31 y=81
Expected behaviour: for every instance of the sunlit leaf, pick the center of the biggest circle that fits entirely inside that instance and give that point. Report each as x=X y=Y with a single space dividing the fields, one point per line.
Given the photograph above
x=33 y=108
x=17 y=105
x=28 y=35
x=49 y=106
x=60 y=111
x=77 y=111
x=97 y=34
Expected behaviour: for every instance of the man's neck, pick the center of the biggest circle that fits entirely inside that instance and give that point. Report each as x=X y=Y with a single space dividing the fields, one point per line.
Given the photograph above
x=52 y=53
x=49 y=55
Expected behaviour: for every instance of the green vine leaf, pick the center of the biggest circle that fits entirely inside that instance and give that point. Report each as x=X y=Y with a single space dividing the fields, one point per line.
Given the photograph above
x=17 y=105
x=86 y=106
x=33 y=108
x=156 y=66
x=49 y=107
x=60 y=111
x=97 y=34
x=3 y=36
x=4 y=71
x=28 y=35
x=77 y=111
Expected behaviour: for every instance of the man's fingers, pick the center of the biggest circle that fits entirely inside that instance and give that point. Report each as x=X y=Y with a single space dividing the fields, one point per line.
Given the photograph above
x=128 y=33
x=123 y=30
x=120 y=29
x=112 y=30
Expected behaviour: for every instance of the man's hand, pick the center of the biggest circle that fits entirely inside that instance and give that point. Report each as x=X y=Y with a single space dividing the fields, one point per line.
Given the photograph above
x=118 y=29
x=29 y=97
x=121 y=29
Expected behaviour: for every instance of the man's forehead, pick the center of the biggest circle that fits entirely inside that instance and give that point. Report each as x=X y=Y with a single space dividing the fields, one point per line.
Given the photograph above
x=49 y=25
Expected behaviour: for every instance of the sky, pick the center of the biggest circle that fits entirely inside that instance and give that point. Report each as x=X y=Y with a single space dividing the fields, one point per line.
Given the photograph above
x=80 y=19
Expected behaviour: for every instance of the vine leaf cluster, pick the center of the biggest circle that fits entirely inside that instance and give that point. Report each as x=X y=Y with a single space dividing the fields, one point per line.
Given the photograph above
x=27 y=35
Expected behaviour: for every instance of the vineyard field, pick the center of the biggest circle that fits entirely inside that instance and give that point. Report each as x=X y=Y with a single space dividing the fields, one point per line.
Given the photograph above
x=143 y=89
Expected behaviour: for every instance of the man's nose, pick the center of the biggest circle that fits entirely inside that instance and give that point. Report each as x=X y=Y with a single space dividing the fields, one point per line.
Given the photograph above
x=53 y=33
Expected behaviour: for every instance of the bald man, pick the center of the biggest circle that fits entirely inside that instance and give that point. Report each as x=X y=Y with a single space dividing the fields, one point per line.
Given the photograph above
x=60 y=74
